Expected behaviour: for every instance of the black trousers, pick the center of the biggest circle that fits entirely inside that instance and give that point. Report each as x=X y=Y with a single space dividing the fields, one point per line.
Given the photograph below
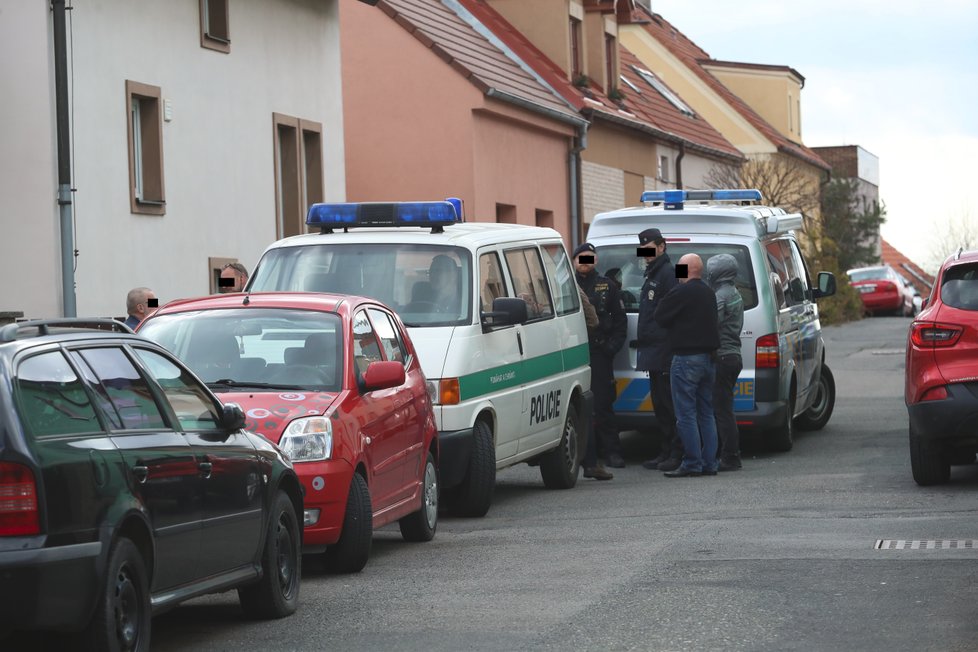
x=604 y=436
x=728 y=368
x=665 y=413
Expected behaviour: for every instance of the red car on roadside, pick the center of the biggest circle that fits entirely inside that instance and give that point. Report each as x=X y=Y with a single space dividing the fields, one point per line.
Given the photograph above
x=883 y=290
x=334 y=380
x=941 y=387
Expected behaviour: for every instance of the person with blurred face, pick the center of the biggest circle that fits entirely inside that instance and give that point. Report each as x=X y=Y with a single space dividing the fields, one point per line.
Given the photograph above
x=139 y=303
x=234 y=276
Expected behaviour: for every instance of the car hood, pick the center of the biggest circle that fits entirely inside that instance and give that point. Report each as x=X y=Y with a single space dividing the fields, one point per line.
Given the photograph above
x=268 y=413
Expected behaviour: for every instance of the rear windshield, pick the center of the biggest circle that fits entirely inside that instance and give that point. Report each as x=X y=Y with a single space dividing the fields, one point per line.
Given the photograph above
x=619 y=263
x=255 y=345
x=960 y=287
x=427 y=285
x=875 y=274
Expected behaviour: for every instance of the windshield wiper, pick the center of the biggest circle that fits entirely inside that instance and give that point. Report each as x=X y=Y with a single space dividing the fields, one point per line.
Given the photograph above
x=230 y=382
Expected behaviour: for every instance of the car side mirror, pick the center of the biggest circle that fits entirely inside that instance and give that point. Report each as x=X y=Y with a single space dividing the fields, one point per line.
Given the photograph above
x=232 y=417
x=923 y=302
x=826 y=285
x=383 y=374
x=506 y=311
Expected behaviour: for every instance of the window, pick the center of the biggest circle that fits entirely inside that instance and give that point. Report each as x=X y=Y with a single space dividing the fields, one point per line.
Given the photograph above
x=563 y=284
x=129 y=394
x=960 y=286
x=663 y=90
x=214 y=32
x=52 y=399
x=787 y=265
x=505 y=214
x=663 y=171
x=366 y=349
x=298 y=171
x=145 y=129
x=610 y=62
x=389 y=339
x=545 y=218
x=575 y=49
x=491 y=281
x=190 y=402
x=526 y=270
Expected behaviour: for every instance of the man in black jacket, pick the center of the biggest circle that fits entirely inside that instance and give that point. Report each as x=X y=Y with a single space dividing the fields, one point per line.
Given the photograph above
x=689 y=313
x=654 y=353
x=604 y=342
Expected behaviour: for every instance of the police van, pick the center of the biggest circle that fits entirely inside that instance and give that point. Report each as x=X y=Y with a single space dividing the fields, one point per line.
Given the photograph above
x=494 y=313
x=785 y=382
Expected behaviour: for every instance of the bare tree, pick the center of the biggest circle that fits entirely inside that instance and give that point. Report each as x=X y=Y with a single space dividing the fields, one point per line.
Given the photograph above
x=951 y=234
x=783 y=181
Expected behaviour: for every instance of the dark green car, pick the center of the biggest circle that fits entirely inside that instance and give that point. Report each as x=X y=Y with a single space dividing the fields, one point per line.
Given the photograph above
x=126 y=487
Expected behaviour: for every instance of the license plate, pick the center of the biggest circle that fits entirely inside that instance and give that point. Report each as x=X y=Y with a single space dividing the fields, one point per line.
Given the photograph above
x=867 y=288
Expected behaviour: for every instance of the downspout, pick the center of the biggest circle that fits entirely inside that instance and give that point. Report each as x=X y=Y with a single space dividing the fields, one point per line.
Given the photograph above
x=679 y=165
x=574 y=172
x=64 y=158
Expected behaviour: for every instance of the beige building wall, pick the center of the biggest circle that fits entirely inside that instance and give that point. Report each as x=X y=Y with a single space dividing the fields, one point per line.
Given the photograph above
x=545 y=24
x=774 y=93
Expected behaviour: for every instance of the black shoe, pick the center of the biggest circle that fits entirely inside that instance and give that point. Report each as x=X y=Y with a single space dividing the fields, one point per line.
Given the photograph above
x=651 y=465
x=670 y=464
x=662 y=457
x=706 y=472
x=729 y=465
x=598 y=473
x=684 y=473
x=615 y=461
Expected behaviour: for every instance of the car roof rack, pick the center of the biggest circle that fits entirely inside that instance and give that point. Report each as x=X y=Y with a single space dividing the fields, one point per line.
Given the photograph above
x=11 y=332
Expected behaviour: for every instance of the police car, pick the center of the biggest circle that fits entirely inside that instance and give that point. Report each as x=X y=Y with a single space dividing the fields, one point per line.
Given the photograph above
x=785 y=382
x=494 y=314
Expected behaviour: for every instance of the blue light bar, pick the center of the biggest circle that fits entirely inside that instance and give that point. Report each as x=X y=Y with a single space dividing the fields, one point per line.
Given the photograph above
x=366 y=214
x=425 y=213
x=674 y=199
x=338 y=214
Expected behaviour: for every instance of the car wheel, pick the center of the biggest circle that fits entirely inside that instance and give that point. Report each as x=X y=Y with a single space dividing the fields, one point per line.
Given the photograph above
x=928 y=462
x=559 y=467
x=816 y=416
x=276 y=594
x=421 y=525
x=350 y=553
x=122 y=618
x=474 y=496
x=782 y=438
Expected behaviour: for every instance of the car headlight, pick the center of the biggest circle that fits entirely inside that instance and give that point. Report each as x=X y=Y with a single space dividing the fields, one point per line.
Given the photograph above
x=308 y=439
x=432 y=387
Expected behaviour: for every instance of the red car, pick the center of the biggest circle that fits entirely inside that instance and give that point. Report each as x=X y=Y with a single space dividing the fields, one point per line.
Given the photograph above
x=335 y=382
x=883 y=290
x=941 y=388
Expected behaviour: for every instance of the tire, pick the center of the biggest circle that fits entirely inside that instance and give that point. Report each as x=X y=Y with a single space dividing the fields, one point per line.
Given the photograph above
x=816 y=416
x=560 y=466
x=782 y=438
x=276 y=594
x=473 y=497
x=421 y=525
x=122 y=618
x=928 y=462
x=351 y=552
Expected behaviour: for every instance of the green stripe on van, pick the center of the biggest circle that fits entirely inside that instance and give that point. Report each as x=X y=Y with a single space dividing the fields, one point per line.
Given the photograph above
x=512 y=375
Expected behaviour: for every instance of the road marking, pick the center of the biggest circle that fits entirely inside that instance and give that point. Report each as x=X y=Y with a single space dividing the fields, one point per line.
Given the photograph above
x=926 y=544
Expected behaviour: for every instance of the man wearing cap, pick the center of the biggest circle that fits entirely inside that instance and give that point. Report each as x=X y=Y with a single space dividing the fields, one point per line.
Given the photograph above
x=604 y=341
x=654 y=351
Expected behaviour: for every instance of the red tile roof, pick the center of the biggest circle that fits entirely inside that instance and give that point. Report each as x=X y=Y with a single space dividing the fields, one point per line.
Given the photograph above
x=694 y=57
x=892 y=257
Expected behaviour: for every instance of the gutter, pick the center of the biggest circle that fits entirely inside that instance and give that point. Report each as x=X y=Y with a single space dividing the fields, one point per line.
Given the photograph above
x=536 y=108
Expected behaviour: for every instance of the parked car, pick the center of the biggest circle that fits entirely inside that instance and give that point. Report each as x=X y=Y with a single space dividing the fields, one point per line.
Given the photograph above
x=336 y=382
x=883 y=290
x=785 y=382
x=126 y=488
x=941 y=386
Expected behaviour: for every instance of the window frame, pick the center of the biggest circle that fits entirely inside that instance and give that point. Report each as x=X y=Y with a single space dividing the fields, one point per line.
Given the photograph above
x=212 y=39
x=298 y=157
x=545 y=286
x=147 y=188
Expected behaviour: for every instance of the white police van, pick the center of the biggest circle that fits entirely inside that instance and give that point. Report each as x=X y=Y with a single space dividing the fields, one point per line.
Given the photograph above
x=785 y=381
x=494 y=313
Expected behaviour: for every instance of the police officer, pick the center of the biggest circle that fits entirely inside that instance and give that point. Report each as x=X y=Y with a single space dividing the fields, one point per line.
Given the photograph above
x=654 y=350
x=604 y=342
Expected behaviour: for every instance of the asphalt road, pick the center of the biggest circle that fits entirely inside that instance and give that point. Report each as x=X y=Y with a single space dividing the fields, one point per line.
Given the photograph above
x=779 y=556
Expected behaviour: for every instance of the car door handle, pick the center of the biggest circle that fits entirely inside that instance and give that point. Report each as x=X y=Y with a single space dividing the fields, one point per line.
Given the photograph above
x=205 y=469
x=141 y=472
x=519 y=341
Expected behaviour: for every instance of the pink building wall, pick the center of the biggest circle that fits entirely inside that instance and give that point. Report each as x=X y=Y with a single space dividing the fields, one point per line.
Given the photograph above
x=416 y=129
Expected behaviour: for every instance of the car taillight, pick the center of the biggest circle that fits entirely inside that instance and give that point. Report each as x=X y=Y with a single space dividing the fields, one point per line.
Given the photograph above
x=767 y=356
x=930 y=335
x=18 y=501
x=885 y=286
x=938 y=393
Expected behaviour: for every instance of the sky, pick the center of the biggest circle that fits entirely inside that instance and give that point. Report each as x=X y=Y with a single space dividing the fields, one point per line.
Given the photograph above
x=897 y=77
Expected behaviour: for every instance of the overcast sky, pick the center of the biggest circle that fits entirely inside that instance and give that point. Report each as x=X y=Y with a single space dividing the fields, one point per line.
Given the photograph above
x=897 y=77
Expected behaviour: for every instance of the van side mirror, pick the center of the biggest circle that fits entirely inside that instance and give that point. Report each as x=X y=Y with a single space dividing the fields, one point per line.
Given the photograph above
x=826 y=285
x=506 y=311
x=232 y=417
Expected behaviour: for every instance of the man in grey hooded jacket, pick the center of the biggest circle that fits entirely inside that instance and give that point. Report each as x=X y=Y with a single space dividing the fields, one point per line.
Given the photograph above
x=721 y=272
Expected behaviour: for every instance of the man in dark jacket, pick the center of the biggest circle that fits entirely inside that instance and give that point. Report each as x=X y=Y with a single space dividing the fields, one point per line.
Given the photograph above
x=721 y=272
x=689 y=313
x=654 y=353
x=604 y=342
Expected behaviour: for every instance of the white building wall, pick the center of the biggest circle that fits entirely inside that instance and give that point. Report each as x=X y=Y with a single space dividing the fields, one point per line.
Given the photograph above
x=218 y=152
x=30 y=267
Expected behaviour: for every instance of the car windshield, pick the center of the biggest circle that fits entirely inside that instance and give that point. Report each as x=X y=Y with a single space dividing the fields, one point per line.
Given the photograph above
x=427 y=285
x=619 y=263
x=960 y=287
x=871 y=274
x=265 y=348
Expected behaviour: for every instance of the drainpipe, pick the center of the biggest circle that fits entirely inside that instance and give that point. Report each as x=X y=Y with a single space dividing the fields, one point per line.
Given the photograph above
x=64 y=158
x=574 y=172
x=679 y=165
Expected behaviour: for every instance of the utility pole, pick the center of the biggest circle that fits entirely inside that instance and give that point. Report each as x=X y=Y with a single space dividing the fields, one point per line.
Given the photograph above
x=64 y=158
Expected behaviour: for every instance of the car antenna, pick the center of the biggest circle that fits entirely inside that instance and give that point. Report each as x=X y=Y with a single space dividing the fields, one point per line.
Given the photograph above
x=246 y=299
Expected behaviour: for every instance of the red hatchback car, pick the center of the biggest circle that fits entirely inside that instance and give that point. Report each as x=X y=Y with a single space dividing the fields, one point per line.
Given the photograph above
x=336 y=383
x=883 y=290
x=941 y=389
